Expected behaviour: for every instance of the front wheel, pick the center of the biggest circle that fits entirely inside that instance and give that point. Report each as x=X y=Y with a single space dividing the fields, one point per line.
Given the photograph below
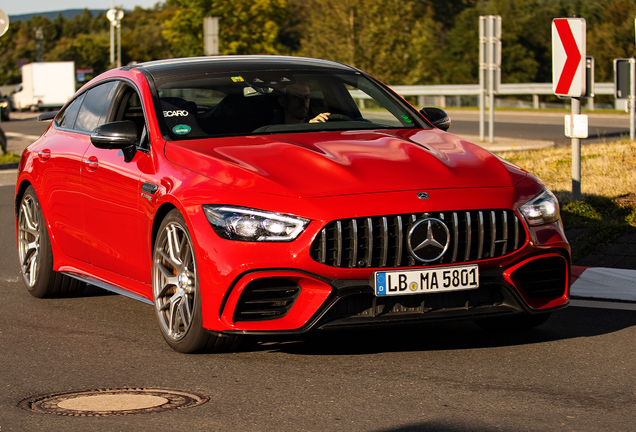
x=36 y=256
x=176 y=291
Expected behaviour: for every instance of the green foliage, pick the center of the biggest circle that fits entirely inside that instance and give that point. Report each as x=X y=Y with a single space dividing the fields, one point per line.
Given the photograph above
x=603 y=218
x=369 y=34
x=84 y=39
x=245 y=27
x=7 y=158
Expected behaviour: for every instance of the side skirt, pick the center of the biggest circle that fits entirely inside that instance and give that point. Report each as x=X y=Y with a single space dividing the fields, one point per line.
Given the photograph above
x=108 y=287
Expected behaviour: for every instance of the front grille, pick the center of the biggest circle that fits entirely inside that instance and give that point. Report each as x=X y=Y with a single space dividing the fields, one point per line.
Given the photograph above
x=381 y=241
x=543 y=278
x=266 y=298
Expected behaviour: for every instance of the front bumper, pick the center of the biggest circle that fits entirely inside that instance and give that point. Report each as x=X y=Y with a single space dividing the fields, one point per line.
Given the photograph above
x=250 y=287
x=271 y=302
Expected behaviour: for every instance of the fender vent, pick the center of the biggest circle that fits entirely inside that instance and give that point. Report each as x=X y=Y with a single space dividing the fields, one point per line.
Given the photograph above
x=266 y=299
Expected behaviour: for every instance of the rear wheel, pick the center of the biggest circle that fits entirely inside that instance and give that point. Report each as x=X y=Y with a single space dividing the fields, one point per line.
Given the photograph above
x=36 y=256
x=176 y=291
x=511 y=324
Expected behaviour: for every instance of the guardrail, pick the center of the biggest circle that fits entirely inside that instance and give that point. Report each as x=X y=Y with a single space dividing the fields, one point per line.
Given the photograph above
x=534 y=89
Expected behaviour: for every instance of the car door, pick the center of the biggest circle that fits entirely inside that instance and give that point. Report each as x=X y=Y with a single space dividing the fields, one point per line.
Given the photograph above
x=111 y=192
x=58 y=166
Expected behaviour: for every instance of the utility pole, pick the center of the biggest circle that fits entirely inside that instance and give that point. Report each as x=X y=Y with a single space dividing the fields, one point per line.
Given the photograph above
x=39 y=42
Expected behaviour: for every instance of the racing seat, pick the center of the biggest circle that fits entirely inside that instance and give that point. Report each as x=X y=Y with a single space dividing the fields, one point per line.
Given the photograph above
x=180 y=116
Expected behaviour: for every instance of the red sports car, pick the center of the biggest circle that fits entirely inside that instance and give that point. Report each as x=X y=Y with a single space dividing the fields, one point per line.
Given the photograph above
x=252 y=195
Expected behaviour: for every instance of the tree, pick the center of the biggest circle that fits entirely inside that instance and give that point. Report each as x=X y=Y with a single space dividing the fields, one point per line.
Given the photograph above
x=142 y=38
x=85 y=39
x=86 y=50
x=391 y=39
x=245 y=27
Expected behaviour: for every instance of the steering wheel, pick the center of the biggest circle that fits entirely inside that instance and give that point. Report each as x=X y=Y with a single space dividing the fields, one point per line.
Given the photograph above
x=339 y=117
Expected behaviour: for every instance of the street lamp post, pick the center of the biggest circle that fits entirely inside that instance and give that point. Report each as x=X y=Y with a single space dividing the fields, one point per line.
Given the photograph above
x=115 y=16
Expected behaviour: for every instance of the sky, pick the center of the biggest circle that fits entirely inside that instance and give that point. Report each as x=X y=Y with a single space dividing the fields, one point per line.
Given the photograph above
x=35 y=6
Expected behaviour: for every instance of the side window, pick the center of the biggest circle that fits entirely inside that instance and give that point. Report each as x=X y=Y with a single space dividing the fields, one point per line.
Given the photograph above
x=68 y=116
x=95 y=107
x=129 y=108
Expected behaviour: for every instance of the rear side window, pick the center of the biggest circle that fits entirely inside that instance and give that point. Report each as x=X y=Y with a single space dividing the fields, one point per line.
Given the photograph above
x=67 y=118
x=95 y=107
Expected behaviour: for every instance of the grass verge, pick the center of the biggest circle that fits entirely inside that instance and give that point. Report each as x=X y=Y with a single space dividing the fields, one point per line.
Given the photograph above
x=9 y=158
x=608 y=185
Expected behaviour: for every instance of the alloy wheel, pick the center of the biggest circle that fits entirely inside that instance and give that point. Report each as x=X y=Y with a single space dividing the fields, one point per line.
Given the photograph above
x=174 y=281
x=29 y=239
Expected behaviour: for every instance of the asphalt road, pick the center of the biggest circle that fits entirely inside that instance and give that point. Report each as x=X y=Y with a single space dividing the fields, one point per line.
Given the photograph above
x=576 y=372
x=540 y=125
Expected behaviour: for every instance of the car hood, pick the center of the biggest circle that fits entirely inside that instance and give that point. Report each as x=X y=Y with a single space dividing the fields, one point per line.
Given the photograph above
x=344 y=163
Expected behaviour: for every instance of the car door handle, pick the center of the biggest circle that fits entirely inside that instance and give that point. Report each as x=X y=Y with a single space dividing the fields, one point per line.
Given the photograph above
x=91 y=164
x=44 y=155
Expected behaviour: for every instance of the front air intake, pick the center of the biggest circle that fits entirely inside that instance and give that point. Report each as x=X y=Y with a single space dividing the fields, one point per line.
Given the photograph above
x=543 y=278
x=266 y=299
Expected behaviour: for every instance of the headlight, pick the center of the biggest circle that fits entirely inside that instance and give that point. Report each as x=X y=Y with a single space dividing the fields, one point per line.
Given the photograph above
x=4 y=104
x=542 y=209
x=245 y=224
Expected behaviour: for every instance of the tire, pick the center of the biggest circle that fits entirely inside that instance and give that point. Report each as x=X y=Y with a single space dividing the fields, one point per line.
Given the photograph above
x=36 y=256
x=511 y=324
x=176 y=292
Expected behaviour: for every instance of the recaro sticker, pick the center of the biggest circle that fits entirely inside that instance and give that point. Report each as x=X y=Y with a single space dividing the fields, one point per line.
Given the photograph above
x=177 y=113
x=181 y=129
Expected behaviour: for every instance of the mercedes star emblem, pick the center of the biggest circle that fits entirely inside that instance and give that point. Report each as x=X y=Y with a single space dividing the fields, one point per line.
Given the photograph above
x=428 y=239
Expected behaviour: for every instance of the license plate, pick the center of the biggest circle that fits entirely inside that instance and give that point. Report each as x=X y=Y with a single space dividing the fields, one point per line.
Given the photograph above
x=426 y=280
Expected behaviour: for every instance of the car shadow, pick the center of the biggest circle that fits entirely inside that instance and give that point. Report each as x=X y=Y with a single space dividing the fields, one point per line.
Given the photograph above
x=573 y=322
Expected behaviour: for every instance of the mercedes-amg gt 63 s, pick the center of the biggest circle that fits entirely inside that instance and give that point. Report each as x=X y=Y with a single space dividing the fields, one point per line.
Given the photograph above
x=260 y=195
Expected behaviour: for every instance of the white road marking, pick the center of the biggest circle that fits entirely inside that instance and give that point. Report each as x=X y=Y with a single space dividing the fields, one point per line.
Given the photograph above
x=23 y=136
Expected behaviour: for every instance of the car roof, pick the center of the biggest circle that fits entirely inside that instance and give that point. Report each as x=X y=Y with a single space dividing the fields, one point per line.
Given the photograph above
x=199 y=65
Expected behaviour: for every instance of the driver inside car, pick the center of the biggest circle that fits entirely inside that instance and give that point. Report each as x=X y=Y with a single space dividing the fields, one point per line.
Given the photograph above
x=295 y=103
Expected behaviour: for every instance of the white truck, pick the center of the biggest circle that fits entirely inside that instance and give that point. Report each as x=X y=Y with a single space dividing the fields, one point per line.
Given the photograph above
x=45 y=85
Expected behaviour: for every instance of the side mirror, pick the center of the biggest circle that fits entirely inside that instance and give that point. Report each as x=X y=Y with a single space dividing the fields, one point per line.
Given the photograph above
x=119 y=135
x=49 y=115
x=437 y=117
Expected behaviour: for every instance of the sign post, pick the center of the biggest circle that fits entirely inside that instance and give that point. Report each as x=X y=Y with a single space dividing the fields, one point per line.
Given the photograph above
x=489 y=70
x=211 y=36
x=569 y=80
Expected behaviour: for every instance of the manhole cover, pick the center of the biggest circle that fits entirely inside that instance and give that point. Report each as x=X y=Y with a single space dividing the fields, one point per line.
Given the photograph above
x=112 y=402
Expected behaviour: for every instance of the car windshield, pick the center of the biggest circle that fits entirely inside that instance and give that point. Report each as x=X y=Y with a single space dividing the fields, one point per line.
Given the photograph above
x=266 y=102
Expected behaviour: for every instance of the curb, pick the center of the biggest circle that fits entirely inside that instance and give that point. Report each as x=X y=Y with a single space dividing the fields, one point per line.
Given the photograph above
x=9 y=166
x=603 y=283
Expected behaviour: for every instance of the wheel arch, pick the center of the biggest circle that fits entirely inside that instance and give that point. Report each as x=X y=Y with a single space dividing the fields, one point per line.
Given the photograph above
x=19 y=194
x=160 y=215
